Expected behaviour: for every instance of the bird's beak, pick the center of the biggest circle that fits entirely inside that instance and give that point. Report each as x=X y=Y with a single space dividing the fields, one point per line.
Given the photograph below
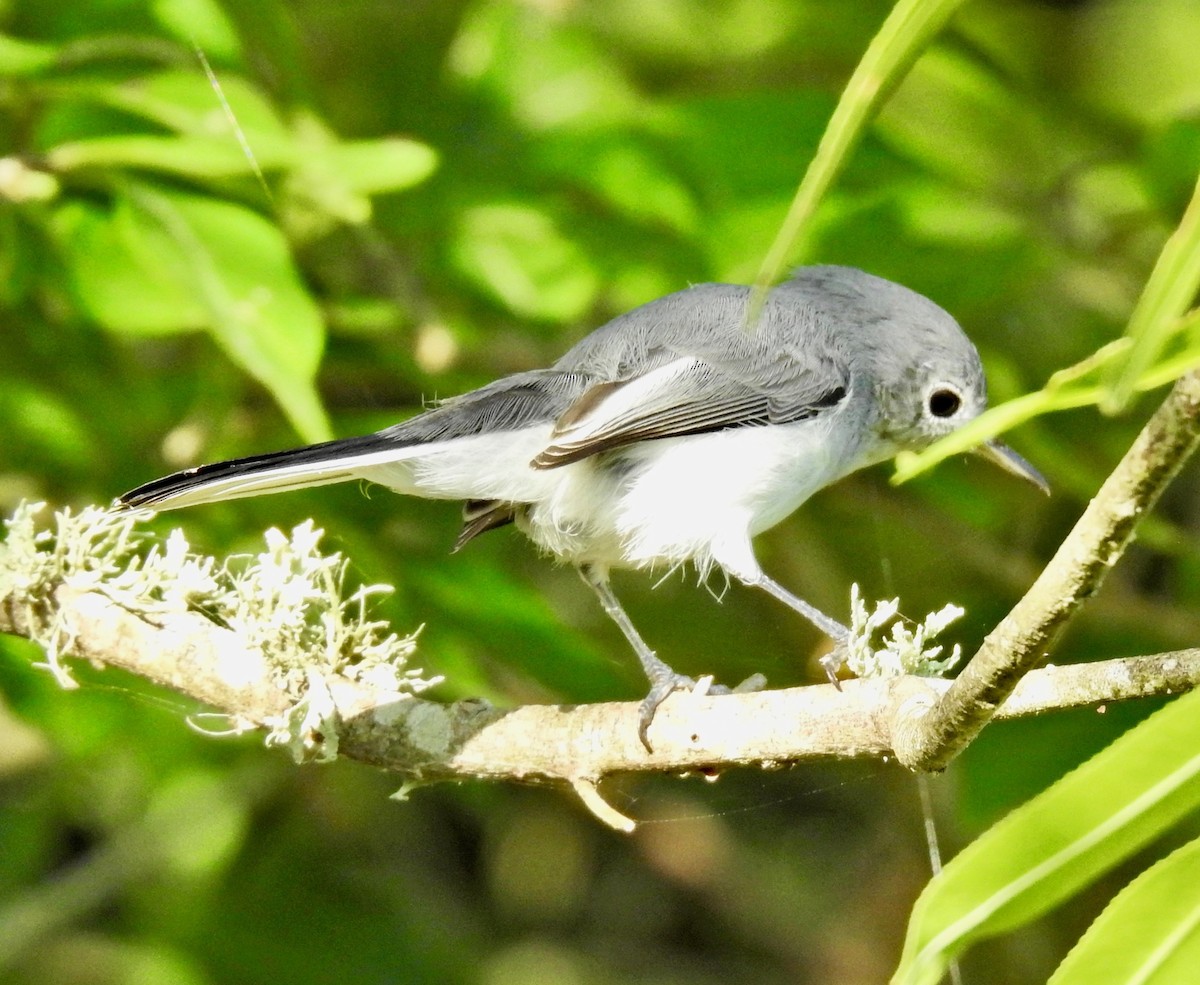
x=1000 y=454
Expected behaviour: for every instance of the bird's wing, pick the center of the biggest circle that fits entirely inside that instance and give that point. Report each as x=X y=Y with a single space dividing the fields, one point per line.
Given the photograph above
x=688 y=364
x=692 y=395
x=507 y=404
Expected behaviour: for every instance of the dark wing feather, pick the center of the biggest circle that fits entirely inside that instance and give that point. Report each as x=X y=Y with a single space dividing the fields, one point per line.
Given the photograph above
x=480 y=516
x=507 y=404
x=691 y=366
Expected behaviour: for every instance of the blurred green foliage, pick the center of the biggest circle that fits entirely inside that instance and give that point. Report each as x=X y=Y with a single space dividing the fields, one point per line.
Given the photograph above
x=440 y=192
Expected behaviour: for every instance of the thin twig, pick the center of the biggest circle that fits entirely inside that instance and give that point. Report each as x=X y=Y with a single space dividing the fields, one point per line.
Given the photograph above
x=1021 y=641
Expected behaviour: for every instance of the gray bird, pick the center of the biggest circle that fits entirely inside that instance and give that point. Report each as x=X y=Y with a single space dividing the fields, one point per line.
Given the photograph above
x=673 y=433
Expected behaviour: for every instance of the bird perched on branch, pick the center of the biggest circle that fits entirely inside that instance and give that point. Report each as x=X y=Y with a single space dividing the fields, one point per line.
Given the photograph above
x=674 y=433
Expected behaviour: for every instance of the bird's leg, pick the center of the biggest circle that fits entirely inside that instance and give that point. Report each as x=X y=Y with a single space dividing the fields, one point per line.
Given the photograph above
x=663 y=680
x=832 y=661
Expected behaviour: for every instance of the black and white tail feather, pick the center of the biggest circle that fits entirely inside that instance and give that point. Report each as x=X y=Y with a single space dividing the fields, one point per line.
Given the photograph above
x=674 y=433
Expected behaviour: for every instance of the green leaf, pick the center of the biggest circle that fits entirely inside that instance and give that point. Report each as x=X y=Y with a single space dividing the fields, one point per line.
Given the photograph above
x=1057 y=843
x=191 y=157
x=201 y=24
x=568 y=79
x=258 y=309
x=1149 y=934
x=371 y=167
x=18 y=57
x=196 y=822
x=332 y=181
x=626 y=175
x=518 y=254
x=125 y=271
x=185 y=101
x=159 y=262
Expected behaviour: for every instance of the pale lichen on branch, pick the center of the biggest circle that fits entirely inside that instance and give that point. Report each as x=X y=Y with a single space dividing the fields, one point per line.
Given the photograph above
x=286 y=605
x=907 y=650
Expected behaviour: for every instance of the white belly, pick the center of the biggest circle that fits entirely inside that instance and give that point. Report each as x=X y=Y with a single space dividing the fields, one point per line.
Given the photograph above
x=697 y=498
x=700 y=498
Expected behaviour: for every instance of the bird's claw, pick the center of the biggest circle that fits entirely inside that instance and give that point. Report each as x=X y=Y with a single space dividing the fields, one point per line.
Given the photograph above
x=660 y=689
x=667 y=684
x=834 y=661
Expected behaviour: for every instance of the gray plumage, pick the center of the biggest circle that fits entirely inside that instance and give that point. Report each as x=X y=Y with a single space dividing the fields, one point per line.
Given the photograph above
x=673 y=433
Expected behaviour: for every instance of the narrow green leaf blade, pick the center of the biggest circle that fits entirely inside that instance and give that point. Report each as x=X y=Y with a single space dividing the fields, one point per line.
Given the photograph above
x=1168 y=293
x=190 y=157
x=910 y=26
x=1149 y=934
x=1058 y=842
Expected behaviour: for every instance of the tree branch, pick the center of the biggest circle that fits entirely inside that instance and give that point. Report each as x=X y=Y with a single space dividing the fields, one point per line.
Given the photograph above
x=427 y=741
x=933 y=736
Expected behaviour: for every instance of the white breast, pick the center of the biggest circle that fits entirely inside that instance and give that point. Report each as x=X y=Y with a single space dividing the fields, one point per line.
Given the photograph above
x=698 y=498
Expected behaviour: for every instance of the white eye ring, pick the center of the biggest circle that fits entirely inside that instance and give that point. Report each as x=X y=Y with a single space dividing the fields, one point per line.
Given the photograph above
x=943 y=401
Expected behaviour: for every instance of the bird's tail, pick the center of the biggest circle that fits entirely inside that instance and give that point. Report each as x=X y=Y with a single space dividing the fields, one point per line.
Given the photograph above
x=297 y=468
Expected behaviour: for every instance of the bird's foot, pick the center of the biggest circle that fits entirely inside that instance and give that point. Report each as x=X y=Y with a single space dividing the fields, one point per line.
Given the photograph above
x=835 y=660
x=661 y=686
x=667 y=682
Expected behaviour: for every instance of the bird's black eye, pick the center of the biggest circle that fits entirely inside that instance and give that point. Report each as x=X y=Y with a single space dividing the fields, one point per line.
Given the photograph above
x=944 y=402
